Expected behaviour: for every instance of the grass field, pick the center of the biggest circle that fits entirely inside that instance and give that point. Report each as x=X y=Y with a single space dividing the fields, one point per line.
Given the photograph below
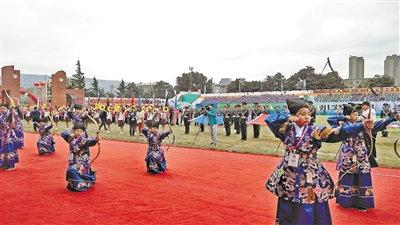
x=265 y=144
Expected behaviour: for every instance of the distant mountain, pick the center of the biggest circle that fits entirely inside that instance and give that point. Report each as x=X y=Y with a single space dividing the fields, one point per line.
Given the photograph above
x=27 y=80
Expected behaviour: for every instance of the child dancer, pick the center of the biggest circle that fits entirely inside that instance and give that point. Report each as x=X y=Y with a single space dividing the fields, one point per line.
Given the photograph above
x=78 y=116
x=155 y=159
x=300 y=181
x=8 y=152
x=355 y=181
x=18 y=128
x=80 y=175
x=46 y=142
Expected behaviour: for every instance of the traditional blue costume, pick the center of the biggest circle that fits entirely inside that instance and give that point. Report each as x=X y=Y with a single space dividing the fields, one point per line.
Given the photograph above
x=45 y=143
x=155 y=159
x=76 y=117
x=8 y=152
x=18 y=128
x=300 y=181
x=355 y=182
x=79 y=175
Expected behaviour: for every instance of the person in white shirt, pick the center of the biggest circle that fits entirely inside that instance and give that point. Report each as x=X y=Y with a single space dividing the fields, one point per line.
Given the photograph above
x=366 y=114
x=121 y=119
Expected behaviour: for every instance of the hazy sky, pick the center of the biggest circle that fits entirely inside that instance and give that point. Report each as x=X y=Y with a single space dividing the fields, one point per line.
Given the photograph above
x=148 y=41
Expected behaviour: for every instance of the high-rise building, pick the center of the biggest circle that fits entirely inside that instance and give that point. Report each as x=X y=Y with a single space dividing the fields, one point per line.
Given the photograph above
x=356 y=72
x=392 y=67
x=356 y=68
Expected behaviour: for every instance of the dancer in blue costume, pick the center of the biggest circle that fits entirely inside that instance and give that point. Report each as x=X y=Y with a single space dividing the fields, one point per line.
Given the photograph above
x=46 y=142
x=78 y=116
x=8 y=152
x=18 y=128
x=155 y=159
x=80 y=175
x=300 y=181
x=355 y=181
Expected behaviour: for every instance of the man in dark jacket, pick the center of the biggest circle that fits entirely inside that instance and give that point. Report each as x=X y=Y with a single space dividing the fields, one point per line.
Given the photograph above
x=35 y=115
x=103 y=118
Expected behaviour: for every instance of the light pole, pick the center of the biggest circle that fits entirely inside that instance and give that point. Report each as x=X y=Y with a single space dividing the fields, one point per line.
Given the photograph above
x=191 y=74
x=42 y=85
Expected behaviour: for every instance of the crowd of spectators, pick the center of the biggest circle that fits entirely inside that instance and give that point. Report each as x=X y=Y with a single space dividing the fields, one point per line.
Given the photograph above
x=357 y=97
x=263 y=98
x=318 y=98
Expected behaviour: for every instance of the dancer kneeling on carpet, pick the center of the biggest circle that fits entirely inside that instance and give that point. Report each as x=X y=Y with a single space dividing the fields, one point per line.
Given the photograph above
x=300 y=181
x=355 y=182
x=45 y=143
x=80 y=175
x=155 y=159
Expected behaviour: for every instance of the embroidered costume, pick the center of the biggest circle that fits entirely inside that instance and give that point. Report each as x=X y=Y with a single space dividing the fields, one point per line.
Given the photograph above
x=18 y=128
x=8 y=152
x=355 y=181
x=80 y=176
x=155 y=159
x=300 y=181
x=46 y=142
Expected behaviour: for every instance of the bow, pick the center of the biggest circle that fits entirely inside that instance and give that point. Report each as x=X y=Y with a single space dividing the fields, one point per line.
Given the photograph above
x=97 y=134
x=173 y=138
x=11 y=100
x=52 y=122
x=395 y=148
x=395 y=142
x=328 y=63
x=369 y=132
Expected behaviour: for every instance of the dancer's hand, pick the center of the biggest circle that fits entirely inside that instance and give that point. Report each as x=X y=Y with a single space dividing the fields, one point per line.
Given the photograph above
x=368 y=124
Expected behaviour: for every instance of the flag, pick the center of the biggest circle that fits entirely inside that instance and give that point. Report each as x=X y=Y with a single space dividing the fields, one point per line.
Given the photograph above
x=176 y=100
x=304 y=84
x=260 y=120
x=133 y=99
x=166 y=98
x=139 y=101
x=73 y=104
x=98 y=95
x=37 y=103
x=281 y=87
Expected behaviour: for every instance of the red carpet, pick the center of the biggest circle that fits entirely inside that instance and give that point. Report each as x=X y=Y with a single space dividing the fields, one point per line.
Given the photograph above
x=199 y=187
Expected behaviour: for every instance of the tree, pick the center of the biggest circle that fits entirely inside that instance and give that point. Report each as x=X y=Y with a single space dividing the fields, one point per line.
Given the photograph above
x=131 y=88
x=237 y=86
x=160 y=87
x=121 y=89
x=192 y=81
x=382 y=81
x=209 y=86
x=274 y=83
x=330 y=81
x=79 y=78
x=94 y=90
